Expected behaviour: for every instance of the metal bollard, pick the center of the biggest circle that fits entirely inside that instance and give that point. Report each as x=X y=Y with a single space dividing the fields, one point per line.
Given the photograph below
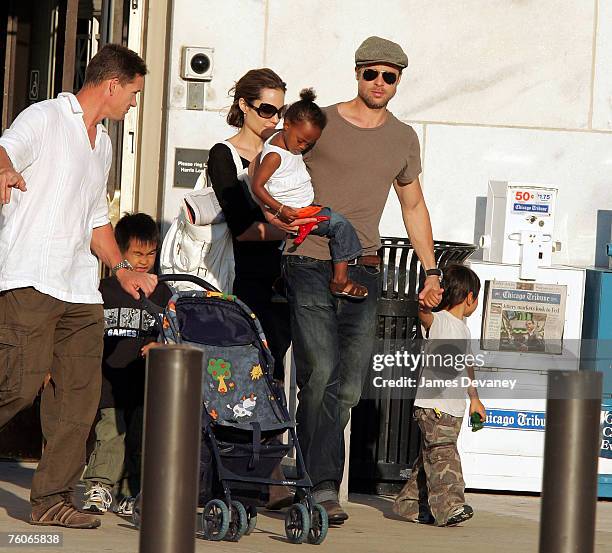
x=171 y=450
x=569 y=490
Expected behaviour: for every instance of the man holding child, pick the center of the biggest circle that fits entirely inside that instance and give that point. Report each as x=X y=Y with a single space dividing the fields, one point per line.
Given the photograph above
x=362 y=152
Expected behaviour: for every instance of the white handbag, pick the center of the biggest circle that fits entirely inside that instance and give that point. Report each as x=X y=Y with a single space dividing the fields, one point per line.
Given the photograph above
x=203 y=250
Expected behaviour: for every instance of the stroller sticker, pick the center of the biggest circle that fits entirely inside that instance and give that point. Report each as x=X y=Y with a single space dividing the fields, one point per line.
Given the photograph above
x=256 y=372
x=245 y=407
x=219 y=369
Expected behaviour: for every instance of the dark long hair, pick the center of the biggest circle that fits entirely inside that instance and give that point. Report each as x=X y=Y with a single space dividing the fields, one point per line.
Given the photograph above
x=249 y=87
x=458 y=282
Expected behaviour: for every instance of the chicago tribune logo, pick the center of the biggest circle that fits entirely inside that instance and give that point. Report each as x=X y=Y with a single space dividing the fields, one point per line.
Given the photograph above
x=606 y=434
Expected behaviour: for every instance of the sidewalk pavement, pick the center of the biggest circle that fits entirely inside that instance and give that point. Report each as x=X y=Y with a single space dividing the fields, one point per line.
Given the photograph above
x=502 y=523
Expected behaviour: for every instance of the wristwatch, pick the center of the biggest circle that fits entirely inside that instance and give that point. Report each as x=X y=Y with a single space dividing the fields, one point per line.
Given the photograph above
x=434 y=272
x=125 y=264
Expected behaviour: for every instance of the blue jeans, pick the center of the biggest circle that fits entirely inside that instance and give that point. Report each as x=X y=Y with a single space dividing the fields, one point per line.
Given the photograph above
x=344 y=244
x=333 y=341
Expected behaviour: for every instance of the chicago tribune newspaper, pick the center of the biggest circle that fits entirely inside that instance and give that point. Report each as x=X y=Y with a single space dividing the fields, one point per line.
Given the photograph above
x=525 y=317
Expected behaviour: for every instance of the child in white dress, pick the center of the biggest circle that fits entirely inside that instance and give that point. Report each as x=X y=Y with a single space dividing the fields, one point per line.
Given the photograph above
x=282 y=184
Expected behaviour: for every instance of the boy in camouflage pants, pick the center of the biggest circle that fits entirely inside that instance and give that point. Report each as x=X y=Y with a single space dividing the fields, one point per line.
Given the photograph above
x=436 y=483
x=435 y=491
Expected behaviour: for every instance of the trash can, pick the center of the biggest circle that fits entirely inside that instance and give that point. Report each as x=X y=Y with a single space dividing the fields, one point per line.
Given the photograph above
x=383 y=450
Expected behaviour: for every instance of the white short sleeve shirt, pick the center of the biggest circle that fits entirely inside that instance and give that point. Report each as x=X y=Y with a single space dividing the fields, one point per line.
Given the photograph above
x=45 y=232
x=451 y=400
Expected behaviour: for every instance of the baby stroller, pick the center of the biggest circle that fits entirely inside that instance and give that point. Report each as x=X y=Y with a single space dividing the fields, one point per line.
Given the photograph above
x=244 y=414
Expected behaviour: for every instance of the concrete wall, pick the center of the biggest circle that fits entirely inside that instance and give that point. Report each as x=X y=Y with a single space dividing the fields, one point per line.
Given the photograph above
x=496 y=89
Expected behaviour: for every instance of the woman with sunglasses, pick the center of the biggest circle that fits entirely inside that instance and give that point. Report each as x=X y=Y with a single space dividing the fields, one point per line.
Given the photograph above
x=259 y=98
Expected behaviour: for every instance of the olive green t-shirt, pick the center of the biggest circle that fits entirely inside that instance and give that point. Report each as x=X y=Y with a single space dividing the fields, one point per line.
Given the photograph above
x=352 y=170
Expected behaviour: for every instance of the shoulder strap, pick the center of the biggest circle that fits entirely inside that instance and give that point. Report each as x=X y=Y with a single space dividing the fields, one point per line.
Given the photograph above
x=236 y=157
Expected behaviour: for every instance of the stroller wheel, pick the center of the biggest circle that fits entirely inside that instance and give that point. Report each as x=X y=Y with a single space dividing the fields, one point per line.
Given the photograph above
x=297 y=523
x=239 y=522
x=251 y=511
x=319 y=524
x=215 y=520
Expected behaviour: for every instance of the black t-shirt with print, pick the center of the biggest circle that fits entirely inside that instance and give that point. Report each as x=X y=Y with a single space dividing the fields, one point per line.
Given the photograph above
x=127 y=327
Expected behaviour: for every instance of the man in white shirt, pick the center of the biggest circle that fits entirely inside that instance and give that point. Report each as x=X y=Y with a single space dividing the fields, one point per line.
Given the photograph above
x=54 y=164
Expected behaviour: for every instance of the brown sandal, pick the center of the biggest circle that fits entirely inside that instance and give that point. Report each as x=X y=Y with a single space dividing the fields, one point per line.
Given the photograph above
x=64 y=514
x=348 y=289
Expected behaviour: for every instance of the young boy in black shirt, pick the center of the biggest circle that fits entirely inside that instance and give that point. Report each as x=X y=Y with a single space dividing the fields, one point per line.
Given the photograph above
x=113 y=471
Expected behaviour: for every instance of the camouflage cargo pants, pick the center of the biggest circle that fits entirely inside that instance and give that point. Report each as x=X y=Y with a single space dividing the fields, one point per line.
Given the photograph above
x=436 y=485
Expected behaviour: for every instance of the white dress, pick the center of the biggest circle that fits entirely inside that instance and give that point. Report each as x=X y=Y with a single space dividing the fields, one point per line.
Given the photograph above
x=290 y=184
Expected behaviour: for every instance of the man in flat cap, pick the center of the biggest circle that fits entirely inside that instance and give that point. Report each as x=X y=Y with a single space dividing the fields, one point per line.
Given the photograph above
x=362 y=152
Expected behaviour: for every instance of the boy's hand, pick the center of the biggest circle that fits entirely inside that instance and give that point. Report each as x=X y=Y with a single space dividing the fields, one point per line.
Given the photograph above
x=132 y=282
x=476 y=406
x=145 y=349
x=431 y=294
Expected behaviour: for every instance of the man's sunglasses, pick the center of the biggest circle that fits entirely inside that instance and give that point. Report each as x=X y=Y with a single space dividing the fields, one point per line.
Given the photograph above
x=267 y=111
x=371 y=74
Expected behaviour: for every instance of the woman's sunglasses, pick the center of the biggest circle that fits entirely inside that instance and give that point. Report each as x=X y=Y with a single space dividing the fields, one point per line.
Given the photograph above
x=267 y=111
x=371 y=74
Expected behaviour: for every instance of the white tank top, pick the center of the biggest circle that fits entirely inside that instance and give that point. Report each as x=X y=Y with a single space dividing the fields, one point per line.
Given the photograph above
x=290 y=184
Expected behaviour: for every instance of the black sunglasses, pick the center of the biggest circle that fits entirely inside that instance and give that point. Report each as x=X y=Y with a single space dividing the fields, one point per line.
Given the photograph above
x=371 y=74
x=267 y=111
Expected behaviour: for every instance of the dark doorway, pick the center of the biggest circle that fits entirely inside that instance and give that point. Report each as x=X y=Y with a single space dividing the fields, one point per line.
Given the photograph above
x=46 y=44
x=37 y=46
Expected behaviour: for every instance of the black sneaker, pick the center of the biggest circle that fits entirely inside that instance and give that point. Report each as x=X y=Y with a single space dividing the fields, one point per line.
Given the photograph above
x=126 y=507
x=459 y=515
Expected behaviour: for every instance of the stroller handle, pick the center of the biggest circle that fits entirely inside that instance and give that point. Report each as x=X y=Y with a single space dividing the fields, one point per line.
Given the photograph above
x=154 y=309
x=188 y=278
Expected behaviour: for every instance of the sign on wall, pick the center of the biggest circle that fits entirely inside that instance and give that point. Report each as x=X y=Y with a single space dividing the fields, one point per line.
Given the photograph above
x=188 y=166
x=34 y=85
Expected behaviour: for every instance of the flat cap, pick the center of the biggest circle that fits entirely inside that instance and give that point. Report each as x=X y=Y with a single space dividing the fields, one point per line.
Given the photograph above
x=380 y=50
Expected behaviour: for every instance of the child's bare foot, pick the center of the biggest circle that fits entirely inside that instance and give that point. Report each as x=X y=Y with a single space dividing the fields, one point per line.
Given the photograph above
x=348 y=289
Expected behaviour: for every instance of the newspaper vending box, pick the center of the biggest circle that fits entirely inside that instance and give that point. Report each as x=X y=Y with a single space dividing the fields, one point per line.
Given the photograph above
x=528 y=322
x=520 y=331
